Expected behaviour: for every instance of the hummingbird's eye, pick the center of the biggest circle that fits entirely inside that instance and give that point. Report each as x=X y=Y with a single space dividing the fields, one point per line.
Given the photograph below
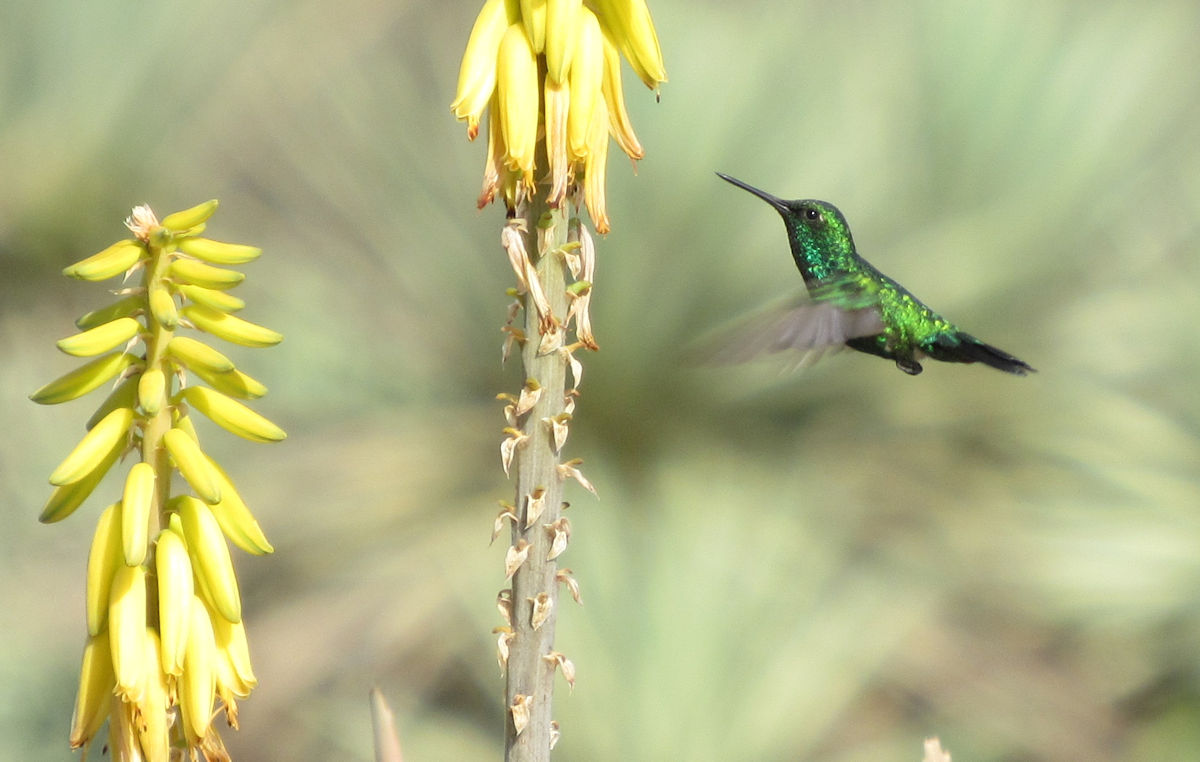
x=812 y=215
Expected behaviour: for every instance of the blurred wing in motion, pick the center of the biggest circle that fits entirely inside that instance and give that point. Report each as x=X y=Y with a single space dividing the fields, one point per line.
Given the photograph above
x=804 y=327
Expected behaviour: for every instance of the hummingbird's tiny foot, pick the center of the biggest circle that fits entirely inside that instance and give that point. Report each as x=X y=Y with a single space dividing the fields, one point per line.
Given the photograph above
x=911 y=367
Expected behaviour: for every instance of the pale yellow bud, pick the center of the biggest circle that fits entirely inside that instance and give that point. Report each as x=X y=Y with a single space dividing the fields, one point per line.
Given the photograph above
x=587 y=72
x=562 y=30
x=518 y=97
x=477 y=74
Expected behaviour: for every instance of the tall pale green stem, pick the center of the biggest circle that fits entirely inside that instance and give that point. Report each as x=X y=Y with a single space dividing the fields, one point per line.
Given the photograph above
x=534 y=586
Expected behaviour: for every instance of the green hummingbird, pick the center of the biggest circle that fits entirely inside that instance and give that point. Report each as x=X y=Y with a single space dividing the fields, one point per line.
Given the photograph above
x=853 y=304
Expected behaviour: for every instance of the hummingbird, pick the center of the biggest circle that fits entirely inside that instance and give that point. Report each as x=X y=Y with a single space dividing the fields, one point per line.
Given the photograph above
x=853 y=304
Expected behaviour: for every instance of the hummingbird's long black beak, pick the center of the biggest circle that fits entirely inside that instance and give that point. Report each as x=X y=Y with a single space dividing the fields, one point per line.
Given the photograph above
x=779 y=204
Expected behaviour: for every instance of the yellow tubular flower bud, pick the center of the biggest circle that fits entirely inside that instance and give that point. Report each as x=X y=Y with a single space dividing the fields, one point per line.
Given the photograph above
x=614 y=97
x=517 y=100
x=135 y=512
x=210 y=558
x=219 y=252
x=183 y=270
x=211 y=298
x=197 y=684
x=153 y=727
x=235 y=519
x=231 y=642
x=183 y=422
x=196 y=354
x=64 y=500
x=92 y=451
x=175 y=592
x=114 y=260
x=643 y=42
x=162 y=306
x=179 y=222
x=632 y=30
x=193 y=464
x=230 y=328
x=83 y=379
x=104 y=559
x=127 y=307
x=101 y=339
x=152 y=390
x=124 y=395
x=587 y=74
x=562 y=31
x=533 y=19
x=232 y=415
x=594 y=169
x=557 y=107
x=96 y=682
x=477 y=74
x=234 y=384
x=127 y=630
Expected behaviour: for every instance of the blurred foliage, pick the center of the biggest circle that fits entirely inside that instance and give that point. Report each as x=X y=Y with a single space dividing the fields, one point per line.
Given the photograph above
x=824 y=566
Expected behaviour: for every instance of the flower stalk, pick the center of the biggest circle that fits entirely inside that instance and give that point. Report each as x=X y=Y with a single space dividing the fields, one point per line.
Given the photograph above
x=165 y=635
x=544 y=76
x=539 y=491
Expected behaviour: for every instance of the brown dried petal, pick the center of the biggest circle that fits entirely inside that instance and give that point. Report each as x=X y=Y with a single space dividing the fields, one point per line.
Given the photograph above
x=535 y=503
x=502 y=645
x=543 y=604
x=570 y=470
x=515 y=556
x=560 y=533
x=567 y=666
x=531 y=392
x=520 y=711
x=504 y=604
x=514 y=245
x=507 y=513
x=565 y=577
x=508 y=447
x=552 y=338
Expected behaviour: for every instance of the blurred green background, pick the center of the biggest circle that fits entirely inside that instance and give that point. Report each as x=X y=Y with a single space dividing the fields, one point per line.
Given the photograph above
x=829 y=565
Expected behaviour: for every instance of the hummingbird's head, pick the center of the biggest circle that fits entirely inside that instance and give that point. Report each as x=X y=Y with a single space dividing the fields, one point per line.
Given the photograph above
x=816 y=226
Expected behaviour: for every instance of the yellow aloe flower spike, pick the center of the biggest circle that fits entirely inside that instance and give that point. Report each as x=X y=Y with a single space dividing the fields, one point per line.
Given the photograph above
x=149 y=664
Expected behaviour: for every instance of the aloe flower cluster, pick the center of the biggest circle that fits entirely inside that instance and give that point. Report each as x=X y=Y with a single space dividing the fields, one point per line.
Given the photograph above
x=552 y=69
x=165 y=640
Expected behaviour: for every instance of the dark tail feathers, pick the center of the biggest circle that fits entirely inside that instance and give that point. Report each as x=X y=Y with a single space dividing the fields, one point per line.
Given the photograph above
x=971 y=349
